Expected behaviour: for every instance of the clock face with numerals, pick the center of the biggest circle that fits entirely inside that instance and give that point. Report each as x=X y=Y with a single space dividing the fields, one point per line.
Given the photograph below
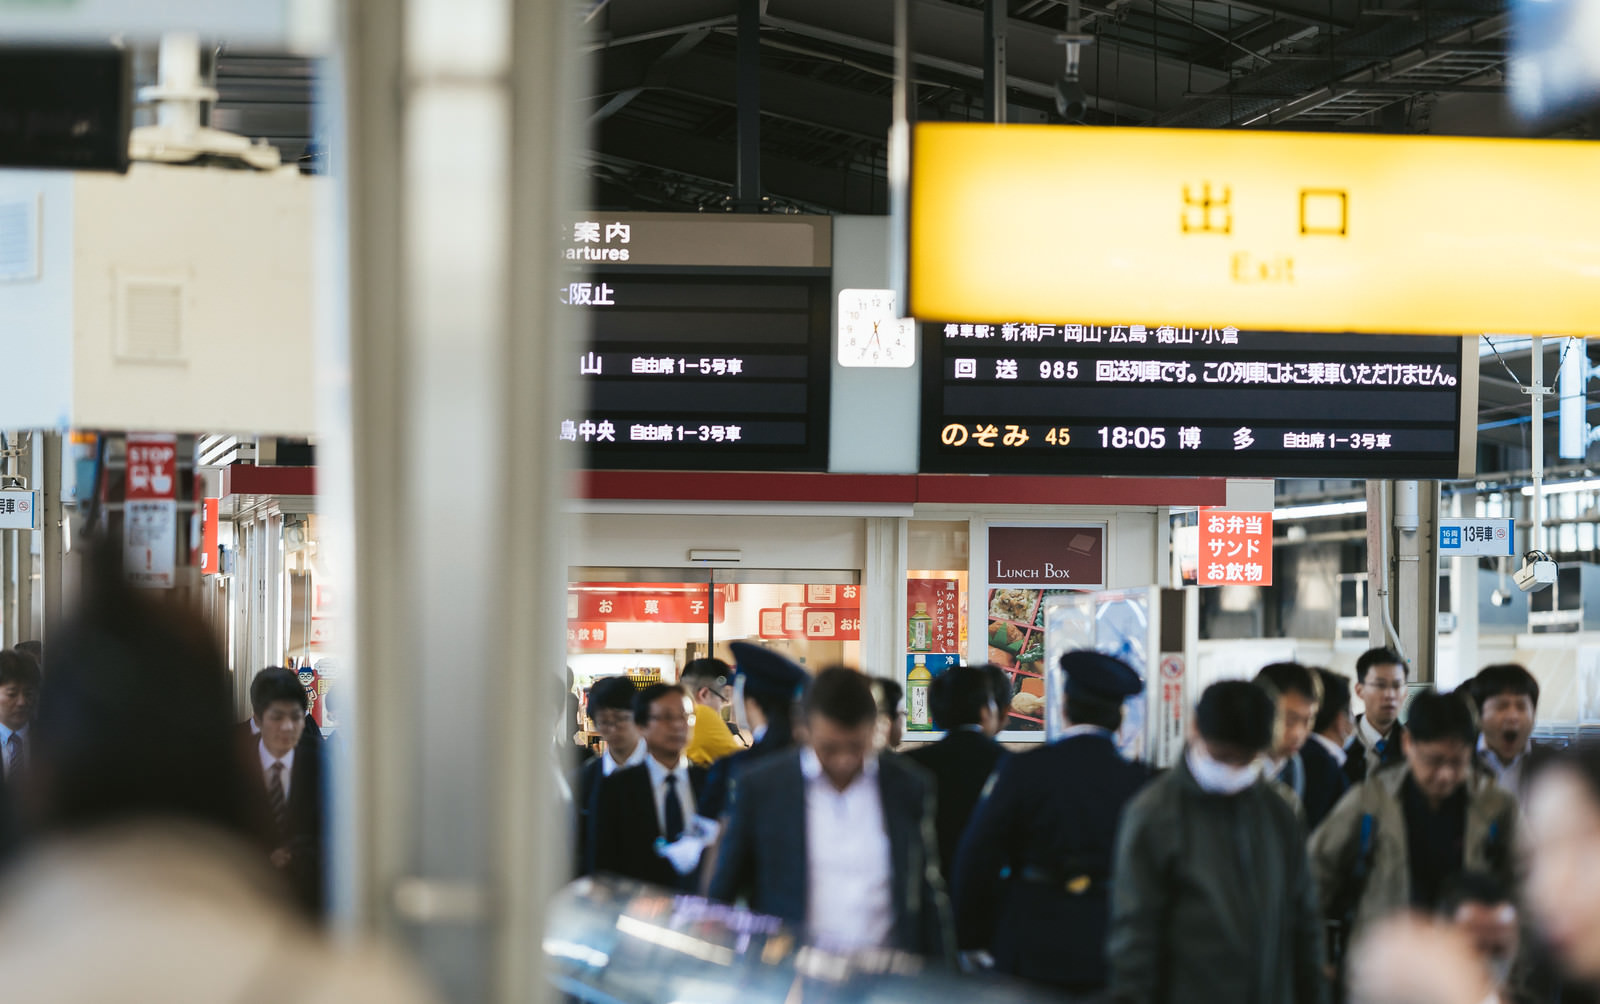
x=872 y=332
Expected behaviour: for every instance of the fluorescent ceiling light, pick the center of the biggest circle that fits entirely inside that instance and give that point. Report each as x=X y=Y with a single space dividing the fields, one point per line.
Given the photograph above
x=1320 y=509
x=1562 y=487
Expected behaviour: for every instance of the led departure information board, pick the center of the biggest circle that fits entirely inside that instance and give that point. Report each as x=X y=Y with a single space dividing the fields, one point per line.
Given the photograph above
x=1138 y=399
x=698 y=372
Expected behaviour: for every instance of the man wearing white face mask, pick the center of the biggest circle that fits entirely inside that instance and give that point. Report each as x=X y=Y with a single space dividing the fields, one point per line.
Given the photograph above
x=1212 y=898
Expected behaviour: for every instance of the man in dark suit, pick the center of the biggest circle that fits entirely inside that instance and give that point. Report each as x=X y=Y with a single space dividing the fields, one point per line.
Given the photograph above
x=1032 y=875
x=19 y=700
x=1324 y=754
x=962 y=701
x=1300 y=765
x=1381 y=685
x=645 y=822
x=610 y=707
x=835 y=839
x=287 y=779
x=767 y=686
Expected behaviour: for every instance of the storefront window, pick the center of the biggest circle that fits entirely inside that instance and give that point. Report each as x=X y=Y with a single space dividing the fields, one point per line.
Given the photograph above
x=650 y=630
x=936 y=611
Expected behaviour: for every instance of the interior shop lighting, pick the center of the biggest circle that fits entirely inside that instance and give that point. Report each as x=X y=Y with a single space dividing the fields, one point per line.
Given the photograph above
x=1350 y=508
x=1562 y=487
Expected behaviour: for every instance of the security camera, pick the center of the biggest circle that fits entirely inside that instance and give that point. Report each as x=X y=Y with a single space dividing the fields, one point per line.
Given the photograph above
x=1499 y=597
x=1538 y=572
x=1072 y=103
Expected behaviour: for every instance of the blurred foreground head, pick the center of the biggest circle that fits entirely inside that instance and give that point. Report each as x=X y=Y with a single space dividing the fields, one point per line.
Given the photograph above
x=134 y=716
x=1563 y=844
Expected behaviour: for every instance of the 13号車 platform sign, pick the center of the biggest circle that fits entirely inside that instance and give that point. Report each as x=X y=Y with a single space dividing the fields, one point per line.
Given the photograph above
x=19 y=510
x=1235 y=548
x=1477 y=537
x=1272 y=231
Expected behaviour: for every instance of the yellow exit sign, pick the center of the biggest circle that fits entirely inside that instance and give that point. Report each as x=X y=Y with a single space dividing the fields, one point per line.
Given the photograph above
x=1271 y=231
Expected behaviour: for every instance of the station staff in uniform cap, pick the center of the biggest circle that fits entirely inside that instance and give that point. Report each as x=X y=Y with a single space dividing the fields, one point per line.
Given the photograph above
x=767 y=686
x=1049 y=826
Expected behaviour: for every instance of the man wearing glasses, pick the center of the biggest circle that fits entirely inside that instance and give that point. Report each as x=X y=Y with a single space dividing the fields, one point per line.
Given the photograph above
x=1381 y=685
x=1403 y=837
x=610 y=706
x=706 y=680
x=646 y=823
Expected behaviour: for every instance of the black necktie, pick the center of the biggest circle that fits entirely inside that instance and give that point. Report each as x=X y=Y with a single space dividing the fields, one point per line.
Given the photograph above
x=673 y=813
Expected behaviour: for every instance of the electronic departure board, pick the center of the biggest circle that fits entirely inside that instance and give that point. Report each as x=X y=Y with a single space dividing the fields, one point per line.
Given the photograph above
x=1149 y=399
x=697 y=371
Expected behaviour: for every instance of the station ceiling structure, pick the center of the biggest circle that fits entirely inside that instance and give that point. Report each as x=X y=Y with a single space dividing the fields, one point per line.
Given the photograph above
x=662 y=95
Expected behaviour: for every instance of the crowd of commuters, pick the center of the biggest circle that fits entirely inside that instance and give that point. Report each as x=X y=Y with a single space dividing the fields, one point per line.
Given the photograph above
x=1281 y=860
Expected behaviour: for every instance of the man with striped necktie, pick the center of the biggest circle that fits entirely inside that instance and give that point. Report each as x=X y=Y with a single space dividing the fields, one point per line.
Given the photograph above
x=290 y=779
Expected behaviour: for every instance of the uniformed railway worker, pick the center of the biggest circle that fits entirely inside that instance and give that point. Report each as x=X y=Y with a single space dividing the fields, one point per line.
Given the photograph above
x=1031 y=879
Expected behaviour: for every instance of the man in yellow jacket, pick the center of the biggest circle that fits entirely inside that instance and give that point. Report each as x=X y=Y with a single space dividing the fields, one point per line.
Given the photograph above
x=707 y=681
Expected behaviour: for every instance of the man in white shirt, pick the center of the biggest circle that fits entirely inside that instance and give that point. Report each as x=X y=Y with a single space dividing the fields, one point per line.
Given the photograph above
x=289 y=779
x=836 y=840
x=1508 y=699
x=643 y=813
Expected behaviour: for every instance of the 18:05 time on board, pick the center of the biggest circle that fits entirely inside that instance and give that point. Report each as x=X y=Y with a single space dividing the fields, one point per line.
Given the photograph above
x=1122 y=437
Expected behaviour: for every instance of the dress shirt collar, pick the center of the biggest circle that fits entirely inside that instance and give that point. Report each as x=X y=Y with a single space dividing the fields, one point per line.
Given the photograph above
x=609 y=764
x=811 y=768
x=1370 y=736
x=6 y=734
x=659 y=772
x=1334 y=749
x=267 y=759
x=1084 y=730
x=1490 y=755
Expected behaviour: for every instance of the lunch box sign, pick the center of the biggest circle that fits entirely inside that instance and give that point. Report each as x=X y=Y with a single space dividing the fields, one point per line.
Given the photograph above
x=1047 y=557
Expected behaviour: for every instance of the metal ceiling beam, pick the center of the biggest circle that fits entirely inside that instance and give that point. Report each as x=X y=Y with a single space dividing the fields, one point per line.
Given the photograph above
x=786 y=96
x=713 y=161
x=949 y=37
x=1378 y=71
x=1340 y=14
x=626 y=22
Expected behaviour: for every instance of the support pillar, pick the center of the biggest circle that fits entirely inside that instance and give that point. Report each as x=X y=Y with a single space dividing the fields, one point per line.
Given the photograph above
x=748 y=98
x=24 y=467
x=994 y=59
x=52 y=563
x=451 y=365
x=1403 y=571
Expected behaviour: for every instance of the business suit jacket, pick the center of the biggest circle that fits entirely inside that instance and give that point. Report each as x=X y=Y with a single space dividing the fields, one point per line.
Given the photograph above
x=722 y=774
x=763 y=854
x=1325 y=782
x=584 y=792
x=623 y=828
x=1355 y=765
x=961 y=764
x=1049 y=824
x=302 y=831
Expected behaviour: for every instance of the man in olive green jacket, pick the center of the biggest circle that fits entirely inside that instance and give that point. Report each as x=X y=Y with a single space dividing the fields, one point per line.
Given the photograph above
x=1398 y=839
x=1212 y=900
